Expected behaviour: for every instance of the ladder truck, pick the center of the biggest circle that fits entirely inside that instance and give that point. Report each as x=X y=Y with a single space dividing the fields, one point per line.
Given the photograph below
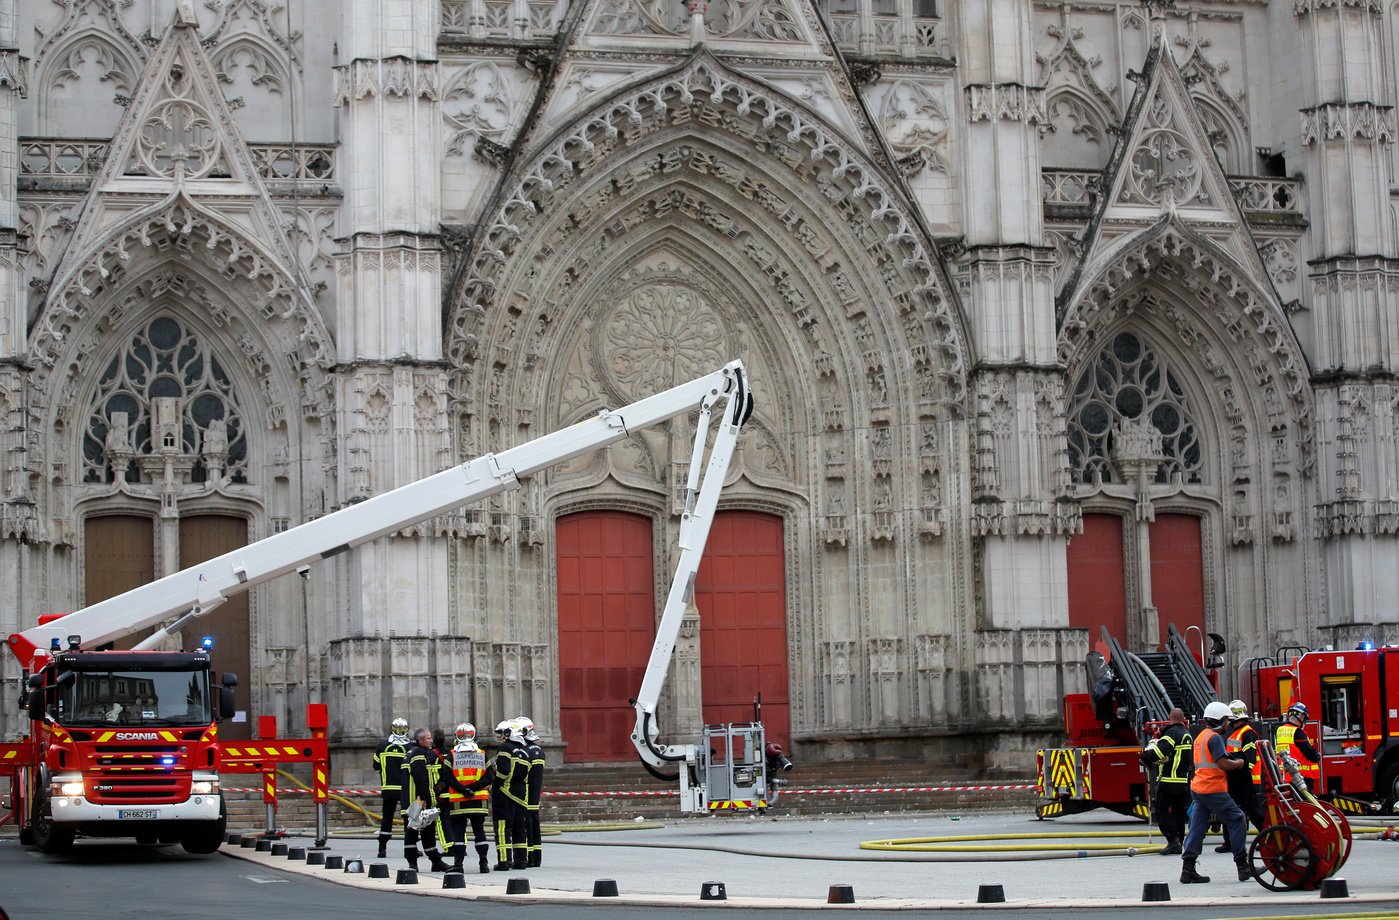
x=123 y=743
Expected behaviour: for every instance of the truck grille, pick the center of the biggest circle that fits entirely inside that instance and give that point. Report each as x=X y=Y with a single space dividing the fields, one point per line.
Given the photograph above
x=126 y=774
x=124 y=789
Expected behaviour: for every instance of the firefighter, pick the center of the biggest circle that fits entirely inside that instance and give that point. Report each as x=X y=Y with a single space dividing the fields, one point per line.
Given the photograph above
x=534 y=787
x=507 y=776
x=1209 y=794
x=1243 y=784
x=468 y=764
x=1171 y=753
x=388 y=763
x=1291 y=738
x=421 y=774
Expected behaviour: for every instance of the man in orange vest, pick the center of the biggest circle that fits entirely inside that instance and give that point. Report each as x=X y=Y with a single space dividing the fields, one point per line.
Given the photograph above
x=1209 y=795
x=1291 y=738
x=1243 y=784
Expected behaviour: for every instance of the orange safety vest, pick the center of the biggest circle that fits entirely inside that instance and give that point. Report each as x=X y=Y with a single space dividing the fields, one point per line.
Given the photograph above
x=1285 y=745
x=467 y=767
x=1235 y=745
x=1209 y=776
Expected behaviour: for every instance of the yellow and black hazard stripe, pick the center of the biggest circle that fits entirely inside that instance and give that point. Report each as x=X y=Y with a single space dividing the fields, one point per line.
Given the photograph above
x=737 y=804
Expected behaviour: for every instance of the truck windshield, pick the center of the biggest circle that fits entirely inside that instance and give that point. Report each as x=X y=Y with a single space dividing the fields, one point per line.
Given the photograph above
x=133 y=697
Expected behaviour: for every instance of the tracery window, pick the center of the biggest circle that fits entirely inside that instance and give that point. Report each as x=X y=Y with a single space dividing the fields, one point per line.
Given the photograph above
x=165 y=359
x=1129 y=382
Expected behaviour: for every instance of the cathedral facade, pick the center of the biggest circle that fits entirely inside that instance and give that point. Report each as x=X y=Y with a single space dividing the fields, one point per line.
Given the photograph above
x=1061 y=316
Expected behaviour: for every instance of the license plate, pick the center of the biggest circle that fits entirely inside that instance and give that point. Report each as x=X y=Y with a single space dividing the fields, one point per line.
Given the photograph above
x=138 y=814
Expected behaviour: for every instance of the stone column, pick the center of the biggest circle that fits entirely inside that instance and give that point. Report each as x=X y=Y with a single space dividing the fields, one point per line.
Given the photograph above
x=1020 y=475
x=1347 y=130
x=388 y=326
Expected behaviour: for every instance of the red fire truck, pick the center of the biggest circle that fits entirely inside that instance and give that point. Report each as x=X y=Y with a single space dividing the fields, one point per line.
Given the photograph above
x=1130 y=696
x=124 y=743
x=1353 y=699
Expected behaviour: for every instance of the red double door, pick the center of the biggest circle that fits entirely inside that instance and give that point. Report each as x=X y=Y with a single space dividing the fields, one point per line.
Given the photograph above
x=1098 y=568
x=607 y=615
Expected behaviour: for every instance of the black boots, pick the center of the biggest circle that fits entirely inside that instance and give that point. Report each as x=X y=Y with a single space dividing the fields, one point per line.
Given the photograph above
x=383 y=847
x=1224 y=848
x=481 y=851
x=485 y=866
x=534 y=861
x=1245 y=870
x=1188 y=875
x=1172 y=848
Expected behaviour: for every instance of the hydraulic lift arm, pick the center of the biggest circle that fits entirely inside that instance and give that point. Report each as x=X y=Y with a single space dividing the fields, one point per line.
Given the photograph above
x=179 y=598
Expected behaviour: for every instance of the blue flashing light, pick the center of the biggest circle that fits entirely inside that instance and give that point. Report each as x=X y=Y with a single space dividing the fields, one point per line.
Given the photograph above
x=207 y=642
x=55 y=644
x=1366 y=646
x=168 y=761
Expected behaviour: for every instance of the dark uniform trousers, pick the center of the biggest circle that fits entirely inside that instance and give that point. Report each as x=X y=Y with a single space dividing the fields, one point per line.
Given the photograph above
x=534 y=837
x=421 y=771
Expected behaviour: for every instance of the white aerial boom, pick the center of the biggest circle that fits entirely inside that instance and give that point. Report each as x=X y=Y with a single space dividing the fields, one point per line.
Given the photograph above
x=178 y=599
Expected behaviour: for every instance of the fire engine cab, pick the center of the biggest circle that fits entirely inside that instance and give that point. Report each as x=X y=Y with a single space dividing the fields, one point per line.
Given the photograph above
x=1352 y=697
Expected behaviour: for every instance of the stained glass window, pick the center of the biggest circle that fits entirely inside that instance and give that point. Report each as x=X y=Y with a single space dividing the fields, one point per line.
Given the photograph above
x=164 y=359
x=1128 y=381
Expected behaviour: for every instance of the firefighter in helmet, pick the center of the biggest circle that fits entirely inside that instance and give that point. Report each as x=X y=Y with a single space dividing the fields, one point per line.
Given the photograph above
x=388 y=763
x=534 y=846
x=1243 y=784
x=468 y=764
x=1209 y=794
x=422 y=776
x=1291 y=738
x=1169 y=752
x=507 y=775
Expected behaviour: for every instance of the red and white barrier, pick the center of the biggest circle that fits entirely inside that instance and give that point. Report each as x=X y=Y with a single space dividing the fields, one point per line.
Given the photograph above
x=644 y=793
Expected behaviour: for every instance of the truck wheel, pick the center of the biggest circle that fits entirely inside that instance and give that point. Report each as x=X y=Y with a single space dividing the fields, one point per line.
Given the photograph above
x=51 y=837
x=207 y=838
x=1388 y=788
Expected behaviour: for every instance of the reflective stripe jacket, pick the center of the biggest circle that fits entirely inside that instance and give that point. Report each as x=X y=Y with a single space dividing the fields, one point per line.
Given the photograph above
x=1173 y=752
x=468 y=766
x=1293 y=740
x=535 y=784
x=388 y=763
x=1209 y=776
x=1243 y=741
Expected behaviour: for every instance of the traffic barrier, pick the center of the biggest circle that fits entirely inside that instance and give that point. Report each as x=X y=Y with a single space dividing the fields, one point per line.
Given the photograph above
x=334 y=862
x=1334 y=888
x=713 y=891
x=454 y=880
x=406 y=877
x=840 y=894
x=605 y=888
x=990 y=894
x=296 y=853
x=315 y=859
x=652 y=793
x=378 y=870
x=1156 y=891
x=517 y=886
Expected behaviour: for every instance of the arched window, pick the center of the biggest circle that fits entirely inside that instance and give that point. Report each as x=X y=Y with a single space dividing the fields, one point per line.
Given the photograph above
x=164 y=359
x=1128 y=382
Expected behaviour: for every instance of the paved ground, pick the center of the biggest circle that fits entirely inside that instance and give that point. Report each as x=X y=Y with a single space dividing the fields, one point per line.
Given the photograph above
x=793 y=862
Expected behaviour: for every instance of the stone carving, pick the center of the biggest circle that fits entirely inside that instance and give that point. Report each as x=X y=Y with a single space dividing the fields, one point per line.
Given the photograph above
x=1075 y=100
x=1163 y=166
x=260 y=19
x=362 y=79
x=1280 y=258
x=178 y=134
x=768 y=20
x=84 y=19
x=1005 y=102
x=911 y=116
x=1348 y=121
x=476 y=103
x=658 y=336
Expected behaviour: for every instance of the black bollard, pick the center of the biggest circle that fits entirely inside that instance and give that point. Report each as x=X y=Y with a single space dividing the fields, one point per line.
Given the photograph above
x=1334 y=888
x=990 y=894
x=334 y=862
x=517 y=886
x=454 y=880
x=713 y=891
x=379 y=870
x=235 y=840
x=279 y=849
x=406 y=877
x=605 y=888
x=315 y=859
x=296 y=853
x=248 y=843
x=263 y=845
x=1156 y=891
x=840 y=894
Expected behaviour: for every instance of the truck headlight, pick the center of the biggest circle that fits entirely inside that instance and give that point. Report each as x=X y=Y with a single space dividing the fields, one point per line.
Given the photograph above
x=204 y=787
x=71 y=788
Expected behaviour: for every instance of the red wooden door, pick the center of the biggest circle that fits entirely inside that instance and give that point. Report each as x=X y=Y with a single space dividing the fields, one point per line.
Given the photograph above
x=1097 y=588
x=607 y=622
x=202 y=537
x=118 y=555
x=1177 y=573
x=741 y=594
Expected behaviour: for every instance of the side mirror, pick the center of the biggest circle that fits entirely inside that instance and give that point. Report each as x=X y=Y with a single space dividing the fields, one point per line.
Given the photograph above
x=230 y=679
x=226 y=703
x=36 y=705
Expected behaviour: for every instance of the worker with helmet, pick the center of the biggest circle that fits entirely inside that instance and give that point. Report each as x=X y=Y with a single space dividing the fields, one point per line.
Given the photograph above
x=388 y=763
x=1291 y=739
x=534 y=845
x=1243 y=784
x=468 y=764
x=1209 y=794
x=507 y=776
x=1170 y=752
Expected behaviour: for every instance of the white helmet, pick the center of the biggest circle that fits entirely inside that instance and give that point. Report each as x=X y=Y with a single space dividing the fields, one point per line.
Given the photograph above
x=1238 y=710
x=399 y=726
x=1217 y=712
x=526 y=728
x=502 y=730
x=465 y=731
